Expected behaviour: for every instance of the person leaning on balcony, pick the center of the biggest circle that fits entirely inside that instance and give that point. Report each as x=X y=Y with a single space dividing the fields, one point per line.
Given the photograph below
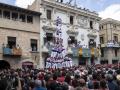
x=3 y=45
x=7 y=46
x=18 y=47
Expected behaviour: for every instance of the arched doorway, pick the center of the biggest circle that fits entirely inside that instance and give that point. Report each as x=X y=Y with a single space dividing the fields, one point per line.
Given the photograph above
x=4 y=64
x=27 y=64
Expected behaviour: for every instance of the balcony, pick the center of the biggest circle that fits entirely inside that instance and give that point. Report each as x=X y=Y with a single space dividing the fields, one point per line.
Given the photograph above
x=34 y=51
x=75 y=51
x=72 y=32
x=92 y=34
x=12 y=52
x=113 y=44
x=86 y=52
x=49 y=29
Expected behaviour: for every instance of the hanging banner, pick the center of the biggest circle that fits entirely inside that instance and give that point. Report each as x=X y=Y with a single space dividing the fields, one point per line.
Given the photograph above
x=80 y=51
x=92 y=51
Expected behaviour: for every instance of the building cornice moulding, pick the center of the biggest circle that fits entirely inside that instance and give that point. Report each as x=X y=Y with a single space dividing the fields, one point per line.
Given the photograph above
x=49 y=29
x=71 y=9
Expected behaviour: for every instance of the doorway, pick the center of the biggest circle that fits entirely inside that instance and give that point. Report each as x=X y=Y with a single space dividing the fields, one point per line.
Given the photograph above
x=82 y=61
x=27 y=64
x=4 y=65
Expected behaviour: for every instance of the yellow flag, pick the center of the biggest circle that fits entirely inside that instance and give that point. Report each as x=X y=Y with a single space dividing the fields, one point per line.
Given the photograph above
x=92 y=51
x=80 y=51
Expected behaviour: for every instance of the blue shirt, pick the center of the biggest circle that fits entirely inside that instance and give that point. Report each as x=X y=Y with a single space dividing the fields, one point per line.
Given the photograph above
x=39 y=88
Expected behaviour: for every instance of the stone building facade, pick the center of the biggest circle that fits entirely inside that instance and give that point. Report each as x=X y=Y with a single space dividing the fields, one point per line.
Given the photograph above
x=110 y=41
x=79 y=27
x=19 y=36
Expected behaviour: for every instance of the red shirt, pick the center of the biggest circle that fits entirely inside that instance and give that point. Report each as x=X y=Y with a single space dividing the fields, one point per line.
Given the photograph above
x=61 y=79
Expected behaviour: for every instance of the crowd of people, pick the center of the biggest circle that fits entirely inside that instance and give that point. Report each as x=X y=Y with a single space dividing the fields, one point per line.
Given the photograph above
x=74 y=78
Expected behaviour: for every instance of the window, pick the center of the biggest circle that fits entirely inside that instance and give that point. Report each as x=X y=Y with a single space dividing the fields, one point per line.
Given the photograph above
x=49 y=14
x=11 y=42
x=104 y=61
x=22 y=17
x=49 y=38
x=0 y=13
x=92 y=43
x=102 y=26
x=72 y=40
x=30 y=19
x=71 y=20
x=91 y=24
x=34 y=45
x=101 y=40
x=116 y=38
x=102 y=52
x=116 y=53
x=14 y=16
x=6 y=14
x=114 y=26
x=115 y=61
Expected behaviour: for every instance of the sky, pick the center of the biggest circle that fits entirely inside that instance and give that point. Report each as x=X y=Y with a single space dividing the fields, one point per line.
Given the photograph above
x=105 y=8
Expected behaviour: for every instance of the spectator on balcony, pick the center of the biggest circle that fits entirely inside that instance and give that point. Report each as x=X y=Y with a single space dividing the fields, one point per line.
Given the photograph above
x=7 y=46
x=18 y=47
x=34 y=48
x=3 y=45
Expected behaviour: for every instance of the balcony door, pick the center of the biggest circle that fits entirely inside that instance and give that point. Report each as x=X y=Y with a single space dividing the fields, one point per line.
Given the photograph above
x=34 y=46
x=11 y=42
x=82 y=61
x=49 y=38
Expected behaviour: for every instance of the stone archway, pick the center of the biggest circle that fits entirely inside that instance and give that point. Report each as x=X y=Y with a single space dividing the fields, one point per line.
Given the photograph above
x=4 y=64
x=27 y=64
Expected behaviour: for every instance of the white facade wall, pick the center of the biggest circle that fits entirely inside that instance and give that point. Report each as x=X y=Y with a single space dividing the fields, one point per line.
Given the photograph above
x=81 y=24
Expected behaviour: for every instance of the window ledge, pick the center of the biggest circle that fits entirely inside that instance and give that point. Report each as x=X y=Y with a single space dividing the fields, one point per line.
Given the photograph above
x=34 y=51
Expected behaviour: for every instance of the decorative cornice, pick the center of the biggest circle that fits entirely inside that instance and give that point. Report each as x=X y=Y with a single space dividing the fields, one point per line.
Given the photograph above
x=72 y=32
x=65 y=7
x=48 y=29
x=91 y=34
x=20 y=30
x=109 y=21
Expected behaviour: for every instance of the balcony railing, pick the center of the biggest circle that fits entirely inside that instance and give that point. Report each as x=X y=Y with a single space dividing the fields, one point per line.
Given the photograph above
x=111 y=44
x=12 y=52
